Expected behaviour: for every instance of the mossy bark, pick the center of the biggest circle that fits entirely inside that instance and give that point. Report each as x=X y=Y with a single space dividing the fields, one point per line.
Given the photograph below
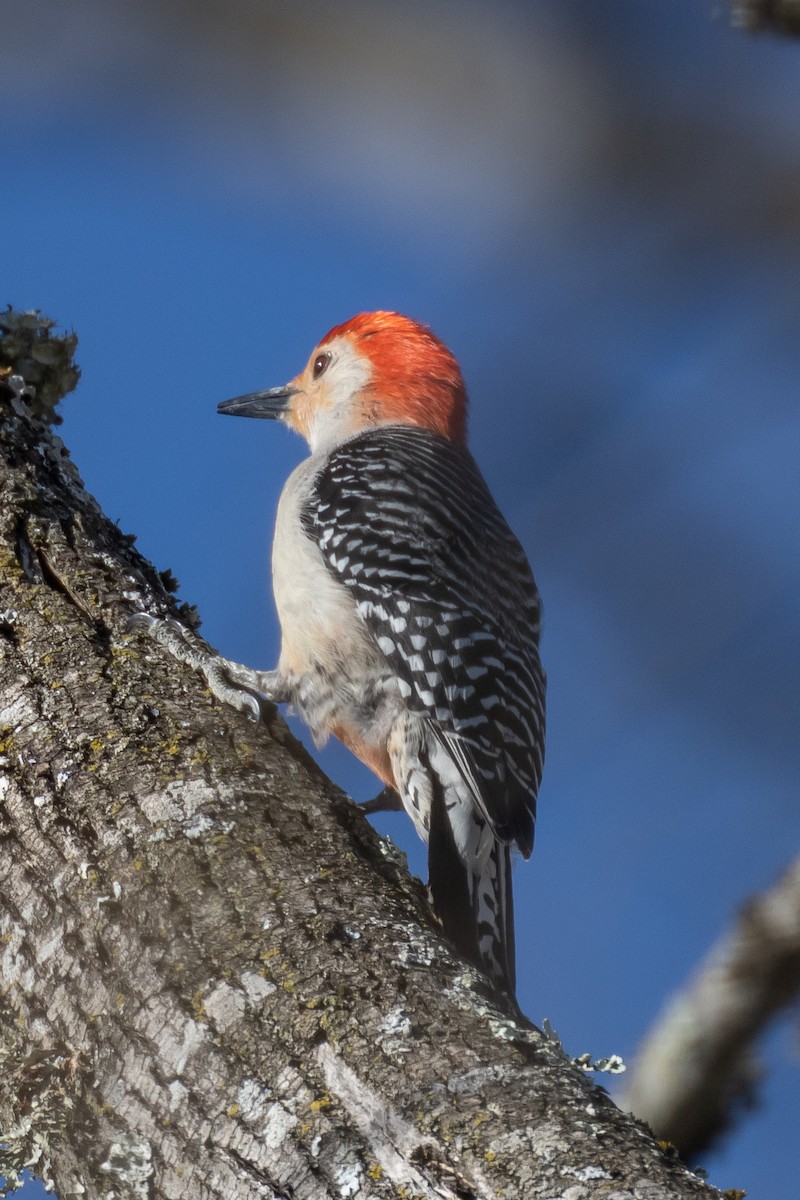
x=216 y=980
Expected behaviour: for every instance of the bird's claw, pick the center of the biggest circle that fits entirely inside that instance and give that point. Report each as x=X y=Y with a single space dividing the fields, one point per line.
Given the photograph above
x=226 y=690
x=386 y=800
x=187 y=647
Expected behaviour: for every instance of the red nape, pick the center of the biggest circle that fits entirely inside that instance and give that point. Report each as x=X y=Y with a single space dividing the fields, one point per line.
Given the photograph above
x=415 y=377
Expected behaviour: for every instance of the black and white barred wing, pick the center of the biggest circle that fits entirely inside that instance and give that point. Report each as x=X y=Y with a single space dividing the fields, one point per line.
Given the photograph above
x=404 y=518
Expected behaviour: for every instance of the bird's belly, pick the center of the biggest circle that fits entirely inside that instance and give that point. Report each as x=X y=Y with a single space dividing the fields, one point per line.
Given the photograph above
x=339 y=678
x=320 y=626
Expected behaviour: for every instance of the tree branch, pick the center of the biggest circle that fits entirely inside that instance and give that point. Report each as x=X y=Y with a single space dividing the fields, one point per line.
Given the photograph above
x=760 y=16
x=217 y=981
x=696 y=1067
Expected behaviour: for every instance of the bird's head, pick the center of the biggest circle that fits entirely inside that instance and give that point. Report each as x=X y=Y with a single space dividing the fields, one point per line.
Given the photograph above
x=378 y=368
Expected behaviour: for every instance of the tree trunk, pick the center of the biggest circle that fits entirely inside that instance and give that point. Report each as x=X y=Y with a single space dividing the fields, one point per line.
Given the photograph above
x=217 y=981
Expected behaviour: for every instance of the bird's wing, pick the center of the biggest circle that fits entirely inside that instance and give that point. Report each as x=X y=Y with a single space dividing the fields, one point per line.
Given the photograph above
x=405 y=520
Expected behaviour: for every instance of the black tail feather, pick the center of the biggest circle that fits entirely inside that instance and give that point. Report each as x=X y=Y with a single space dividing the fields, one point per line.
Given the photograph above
x=506 y=917
x=448 y=880
x=474 y=904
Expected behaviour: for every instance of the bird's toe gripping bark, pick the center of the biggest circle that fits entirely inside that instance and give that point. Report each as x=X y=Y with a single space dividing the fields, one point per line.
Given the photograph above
x=386 y=800
x=231 y=682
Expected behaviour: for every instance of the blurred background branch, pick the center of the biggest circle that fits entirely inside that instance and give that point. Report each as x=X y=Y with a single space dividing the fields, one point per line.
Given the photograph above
x=758 y=16
x=697 y=1069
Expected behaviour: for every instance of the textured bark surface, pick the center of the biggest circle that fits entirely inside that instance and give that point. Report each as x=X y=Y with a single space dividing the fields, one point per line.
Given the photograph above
x=217 y=981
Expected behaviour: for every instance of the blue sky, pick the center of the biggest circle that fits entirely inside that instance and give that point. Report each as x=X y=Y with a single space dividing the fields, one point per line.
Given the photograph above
x=609 y=240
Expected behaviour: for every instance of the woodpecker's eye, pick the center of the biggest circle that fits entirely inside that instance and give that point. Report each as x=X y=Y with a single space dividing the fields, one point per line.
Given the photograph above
x=320 y=364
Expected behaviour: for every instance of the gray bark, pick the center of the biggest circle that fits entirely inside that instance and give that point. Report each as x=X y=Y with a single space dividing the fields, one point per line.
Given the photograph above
x=216 y=980
x=697 y=1068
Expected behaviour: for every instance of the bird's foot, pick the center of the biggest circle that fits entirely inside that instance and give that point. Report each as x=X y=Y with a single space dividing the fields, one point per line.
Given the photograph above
x=231 y=682
x=386 y=801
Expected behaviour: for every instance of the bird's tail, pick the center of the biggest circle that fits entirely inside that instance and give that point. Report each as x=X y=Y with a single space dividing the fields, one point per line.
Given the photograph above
x=493 y=906
x=470 y=883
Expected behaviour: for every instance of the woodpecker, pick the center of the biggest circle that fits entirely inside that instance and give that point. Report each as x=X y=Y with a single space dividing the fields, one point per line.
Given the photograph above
x=409 y=615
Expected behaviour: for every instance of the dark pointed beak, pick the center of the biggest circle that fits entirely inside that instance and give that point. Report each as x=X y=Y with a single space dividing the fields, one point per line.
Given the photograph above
x=268 y=404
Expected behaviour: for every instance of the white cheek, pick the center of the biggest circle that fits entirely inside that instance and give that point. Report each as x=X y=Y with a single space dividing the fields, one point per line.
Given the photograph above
x=340 y=416
x=348 y=374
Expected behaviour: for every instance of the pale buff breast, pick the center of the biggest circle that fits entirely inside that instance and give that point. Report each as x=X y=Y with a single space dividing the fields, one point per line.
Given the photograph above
x=320 y=626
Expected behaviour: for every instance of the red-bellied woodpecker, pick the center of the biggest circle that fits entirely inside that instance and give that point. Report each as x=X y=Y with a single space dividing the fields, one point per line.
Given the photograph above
x=409 y=614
